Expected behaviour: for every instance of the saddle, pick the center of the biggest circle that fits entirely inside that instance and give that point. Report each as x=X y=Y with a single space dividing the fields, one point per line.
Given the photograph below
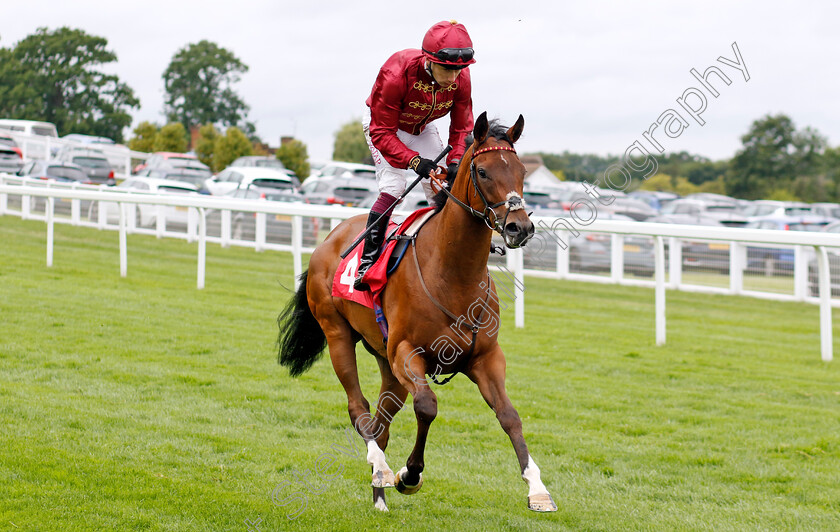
x=400 y=234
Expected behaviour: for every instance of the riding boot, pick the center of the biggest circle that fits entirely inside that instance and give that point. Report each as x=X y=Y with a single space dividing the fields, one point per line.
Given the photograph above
x=373 y=245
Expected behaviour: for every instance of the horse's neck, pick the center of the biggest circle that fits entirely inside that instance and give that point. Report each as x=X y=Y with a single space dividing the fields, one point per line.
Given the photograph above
x=462 y=242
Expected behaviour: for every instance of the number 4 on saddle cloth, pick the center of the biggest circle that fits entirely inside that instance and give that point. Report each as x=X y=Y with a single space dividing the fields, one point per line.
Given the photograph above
x=399 y=238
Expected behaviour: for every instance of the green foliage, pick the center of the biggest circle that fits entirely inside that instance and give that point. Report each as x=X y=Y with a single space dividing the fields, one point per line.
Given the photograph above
x=559 y=174
x=781 y=194
x=229 y=147
x=144 y=137
x=171 y=137
x=205 y=145
x=579 y=167
x=197 y=86
x=717 y=186
x=55 y=76
x=350 y=144
x=774 y=154
x=667 y=183
x=294 y=156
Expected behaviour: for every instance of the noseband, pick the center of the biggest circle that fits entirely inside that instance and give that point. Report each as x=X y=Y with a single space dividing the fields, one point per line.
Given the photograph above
x=513 y=201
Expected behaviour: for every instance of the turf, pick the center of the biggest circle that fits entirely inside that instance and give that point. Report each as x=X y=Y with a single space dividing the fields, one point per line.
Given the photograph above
x=144 y=403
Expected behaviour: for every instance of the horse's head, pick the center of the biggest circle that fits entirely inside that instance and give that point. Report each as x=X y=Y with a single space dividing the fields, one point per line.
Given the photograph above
x=497 y=177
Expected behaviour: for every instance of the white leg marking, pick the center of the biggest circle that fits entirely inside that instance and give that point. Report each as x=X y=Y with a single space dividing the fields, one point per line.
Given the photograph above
x=380 y=504
x=531 y=475
x=382 y=476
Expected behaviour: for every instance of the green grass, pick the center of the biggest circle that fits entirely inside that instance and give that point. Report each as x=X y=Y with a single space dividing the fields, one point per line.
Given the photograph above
x=143 y=403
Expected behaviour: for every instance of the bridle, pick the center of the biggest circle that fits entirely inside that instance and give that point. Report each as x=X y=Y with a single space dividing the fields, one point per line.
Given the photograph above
x=513 y=201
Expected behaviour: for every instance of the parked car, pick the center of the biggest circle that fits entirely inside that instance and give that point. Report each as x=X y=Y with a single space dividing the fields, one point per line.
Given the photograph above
x=88 y=139
x=348 y=191
x=833 y=266
x=242 y=177
x=278 y=227
x=10 y=161
x=779 y=261
x=696 y=212
x=655 y=199
x=8 y=141
x=30 y=127
x=94 y=163
x=829 y=210
x=193 y=175
x=754 y=210
x=341 y=169
x=163 y=158
x=146 y=215
x=259 y=161
x=55 y=171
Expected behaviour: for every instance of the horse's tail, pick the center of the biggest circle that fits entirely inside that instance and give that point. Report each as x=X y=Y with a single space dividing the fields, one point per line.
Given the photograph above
x=301 y=339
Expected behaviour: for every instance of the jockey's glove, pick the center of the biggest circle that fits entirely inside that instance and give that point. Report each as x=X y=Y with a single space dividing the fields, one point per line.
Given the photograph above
x=422 y=166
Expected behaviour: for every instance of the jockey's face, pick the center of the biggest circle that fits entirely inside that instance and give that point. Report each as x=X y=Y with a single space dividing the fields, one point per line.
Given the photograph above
x=444 y=76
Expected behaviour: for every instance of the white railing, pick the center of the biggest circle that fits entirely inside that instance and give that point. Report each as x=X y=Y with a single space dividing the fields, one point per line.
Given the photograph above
x=556 y=234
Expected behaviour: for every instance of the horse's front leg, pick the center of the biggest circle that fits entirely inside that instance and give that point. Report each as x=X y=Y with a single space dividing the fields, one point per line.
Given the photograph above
x=488 y=372
x=410 y=368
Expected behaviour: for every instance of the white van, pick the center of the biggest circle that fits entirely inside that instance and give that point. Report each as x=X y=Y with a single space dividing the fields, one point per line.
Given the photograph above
x=29 y=127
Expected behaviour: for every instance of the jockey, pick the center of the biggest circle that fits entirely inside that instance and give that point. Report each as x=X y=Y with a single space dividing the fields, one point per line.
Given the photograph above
x=414 y=88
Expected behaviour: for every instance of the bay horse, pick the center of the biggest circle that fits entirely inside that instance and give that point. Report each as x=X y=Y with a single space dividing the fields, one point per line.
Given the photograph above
x=426 y=303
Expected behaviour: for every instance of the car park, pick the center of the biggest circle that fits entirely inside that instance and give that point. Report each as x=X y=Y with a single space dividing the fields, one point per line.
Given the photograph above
x=772 y=261
x=232 y=178
x=259 y=161
x=29 y=127
x=654 y=198
x=8 y=141
x=828 y=210
x=55 y=171
x=696 y=212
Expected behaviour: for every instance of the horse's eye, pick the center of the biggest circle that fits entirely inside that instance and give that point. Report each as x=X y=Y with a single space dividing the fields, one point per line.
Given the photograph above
x=482 y=174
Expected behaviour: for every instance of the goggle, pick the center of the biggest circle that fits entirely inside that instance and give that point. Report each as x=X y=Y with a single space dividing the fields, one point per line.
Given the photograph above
x=453 y=55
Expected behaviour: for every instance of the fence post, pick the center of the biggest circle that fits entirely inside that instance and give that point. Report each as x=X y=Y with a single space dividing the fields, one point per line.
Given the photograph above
x=800 y=273
x=123 y=244
x=50 y=229
x=617 y=257
x=297 y=243
x=202 y=245
x=75 y=207
x=826 y=342
x=737 y=260
x=4 y=202
x=259 y=231
x=675 y=262
x=225 y=228
x=160 y=221
x=562 y=258
x=659 y=266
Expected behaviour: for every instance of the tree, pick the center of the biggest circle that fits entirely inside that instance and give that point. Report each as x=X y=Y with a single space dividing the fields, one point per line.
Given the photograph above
x=54 y=76
x=171 y=137
x=144 y=137
x=350 y=144
x=293 y=155
x=205 y=146
x=774 y=153
x=229 y=147
x=197 y=86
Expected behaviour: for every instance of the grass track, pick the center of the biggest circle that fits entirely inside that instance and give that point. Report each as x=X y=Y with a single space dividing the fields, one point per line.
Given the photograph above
x=143 y=403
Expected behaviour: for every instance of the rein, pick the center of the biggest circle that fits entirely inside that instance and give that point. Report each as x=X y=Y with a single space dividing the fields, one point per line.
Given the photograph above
x=513 y=202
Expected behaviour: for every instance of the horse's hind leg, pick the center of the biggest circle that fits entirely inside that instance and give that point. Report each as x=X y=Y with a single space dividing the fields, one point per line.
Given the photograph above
x=489 y=375
x=343 y=356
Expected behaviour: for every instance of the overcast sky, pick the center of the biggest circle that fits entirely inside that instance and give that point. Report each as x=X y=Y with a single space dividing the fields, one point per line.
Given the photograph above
x=587 y=76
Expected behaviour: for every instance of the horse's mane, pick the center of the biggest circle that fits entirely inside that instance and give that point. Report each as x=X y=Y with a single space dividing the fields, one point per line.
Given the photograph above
x=495 y=130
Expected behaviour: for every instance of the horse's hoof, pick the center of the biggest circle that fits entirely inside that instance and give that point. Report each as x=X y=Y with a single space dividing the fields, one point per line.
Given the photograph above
x=541 y=502
x=405 y=489
x=380 y=504
x=383 y=479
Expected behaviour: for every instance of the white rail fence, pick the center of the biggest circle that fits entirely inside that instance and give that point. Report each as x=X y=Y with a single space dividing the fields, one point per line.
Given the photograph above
x=555 y=240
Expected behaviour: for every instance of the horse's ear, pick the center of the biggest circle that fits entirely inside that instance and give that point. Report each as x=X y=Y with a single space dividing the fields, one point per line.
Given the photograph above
x=481 y=128
x=516 y=131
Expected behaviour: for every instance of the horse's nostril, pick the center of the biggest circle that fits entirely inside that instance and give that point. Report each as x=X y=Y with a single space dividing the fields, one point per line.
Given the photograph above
x=512 y=229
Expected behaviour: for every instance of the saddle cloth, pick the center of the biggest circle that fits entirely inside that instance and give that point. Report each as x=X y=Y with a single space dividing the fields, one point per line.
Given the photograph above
x=377 y=275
